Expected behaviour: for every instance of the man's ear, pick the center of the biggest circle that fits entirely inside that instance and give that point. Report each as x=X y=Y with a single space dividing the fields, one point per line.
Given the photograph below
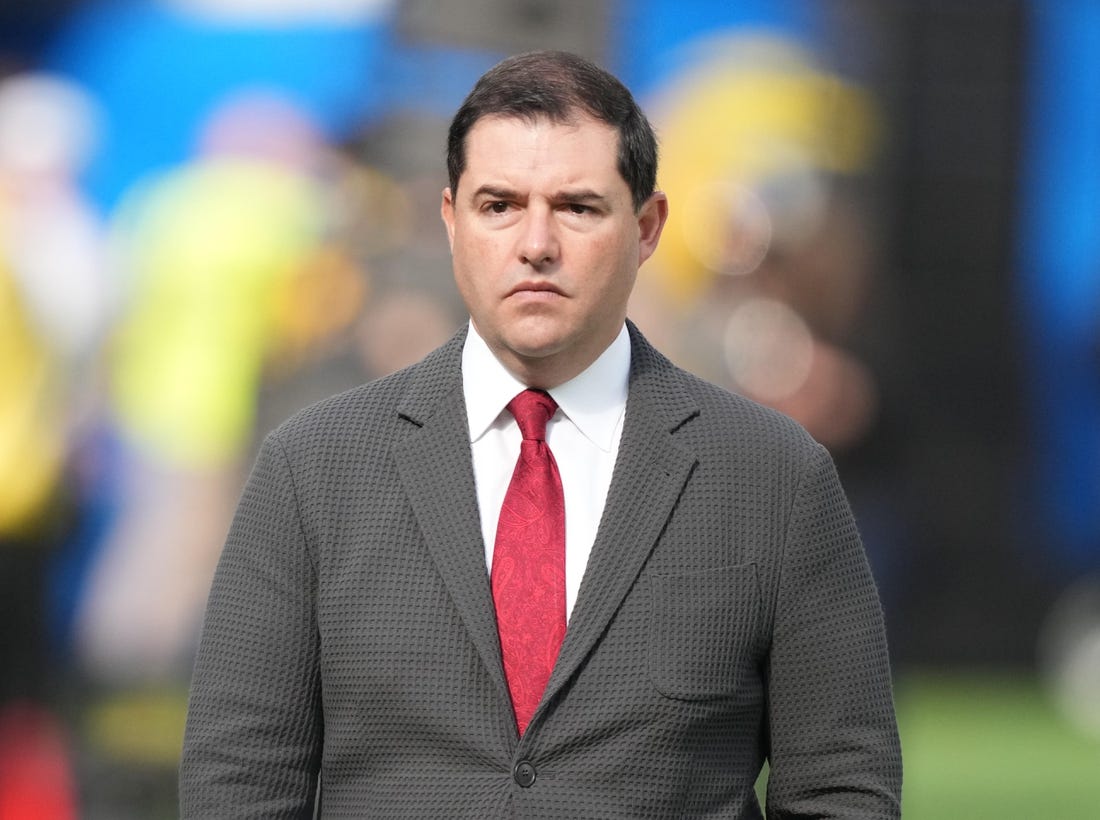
x=447 y=211
x=651 y=221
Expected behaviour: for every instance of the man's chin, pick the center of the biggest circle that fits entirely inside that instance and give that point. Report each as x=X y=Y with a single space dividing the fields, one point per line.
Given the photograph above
x=537 y=341
x=539 y=362
x=535 y=353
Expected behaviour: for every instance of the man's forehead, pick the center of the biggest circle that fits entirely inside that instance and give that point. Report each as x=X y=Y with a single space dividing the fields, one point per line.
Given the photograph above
x=497 y=140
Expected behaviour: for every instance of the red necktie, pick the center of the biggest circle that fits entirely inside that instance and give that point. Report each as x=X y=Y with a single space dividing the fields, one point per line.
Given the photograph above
x=528 y=576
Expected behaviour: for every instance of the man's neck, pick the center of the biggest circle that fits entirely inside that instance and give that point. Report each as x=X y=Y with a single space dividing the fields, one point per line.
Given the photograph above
x=547 y=372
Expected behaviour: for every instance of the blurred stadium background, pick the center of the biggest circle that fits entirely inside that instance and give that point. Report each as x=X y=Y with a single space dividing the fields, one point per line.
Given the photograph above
x=885 y=222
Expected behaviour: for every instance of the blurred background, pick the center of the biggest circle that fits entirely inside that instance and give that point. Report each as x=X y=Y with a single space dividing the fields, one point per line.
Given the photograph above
x=885 y=222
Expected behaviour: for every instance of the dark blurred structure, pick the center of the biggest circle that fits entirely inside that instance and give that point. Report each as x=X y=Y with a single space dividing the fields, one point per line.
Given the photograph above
x=952 y=361
x=508 y=26
x=26 y=29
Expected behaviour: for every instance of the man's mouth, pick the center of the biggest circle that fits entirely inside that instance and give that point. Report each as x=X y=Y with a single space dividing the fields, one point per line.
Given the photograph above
x=545 y=289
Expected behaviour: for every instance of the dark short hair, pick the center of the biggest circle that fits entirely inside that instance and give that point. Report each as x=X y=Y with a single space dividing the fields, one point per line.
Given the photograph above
x=559 y=85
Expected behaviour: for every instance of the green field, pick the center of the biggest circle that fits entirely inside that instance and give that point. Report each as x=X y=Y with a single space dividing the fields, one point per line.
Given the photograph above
x=992 y=747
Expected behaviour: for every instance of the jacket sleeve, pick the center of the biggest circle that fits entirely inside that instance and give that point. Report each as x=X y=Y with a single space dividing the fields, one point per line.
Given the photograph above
x=253 y=739
x=834 y=748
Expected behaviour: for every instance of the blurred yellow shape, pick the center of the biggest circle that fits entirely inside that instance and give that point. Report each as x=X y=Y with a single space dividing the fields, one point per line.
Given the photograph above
x=142 y=727
x=752 y=108
x=209 y=249
x=31 y=433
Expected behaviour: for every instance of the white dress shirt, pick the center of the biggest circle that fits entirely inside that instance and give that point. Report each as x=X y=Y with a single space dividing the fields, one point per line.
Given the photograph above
x=583 y=435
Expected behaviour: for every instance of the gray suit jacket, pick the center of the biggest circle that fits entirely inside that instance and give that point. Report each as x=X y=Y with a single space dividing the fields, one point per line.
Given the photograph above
x=727 y=617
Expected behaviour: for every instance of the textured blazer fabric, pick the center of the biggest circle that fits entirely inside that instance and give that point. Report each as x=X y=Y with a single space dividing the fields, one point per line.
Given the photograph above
x=727 y=616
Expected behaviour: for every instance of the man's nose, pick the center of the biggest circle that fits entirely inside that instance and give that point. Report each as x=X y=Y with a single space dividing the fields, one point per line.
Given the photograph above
x=538 y=245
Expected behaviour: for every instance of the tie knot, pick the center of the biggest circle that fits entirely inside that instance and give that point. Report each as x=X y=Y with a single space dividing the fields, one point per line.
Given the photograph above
x=532 y=409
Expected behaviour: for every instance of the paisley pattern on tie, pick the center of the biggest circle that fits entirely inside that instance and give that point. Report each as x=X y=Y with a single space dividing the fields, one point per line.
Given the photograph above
x=528 y=574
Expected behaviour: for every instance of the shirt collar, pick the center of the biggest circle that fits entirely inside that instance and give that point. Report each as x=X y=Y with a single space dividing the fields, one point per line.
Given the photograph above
x=594 y=400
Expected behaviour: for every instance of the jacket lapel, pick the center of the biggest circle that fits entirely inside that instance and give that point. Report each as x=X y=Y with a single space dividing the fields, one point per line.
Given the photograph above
x=650 y=473
x=435 y=468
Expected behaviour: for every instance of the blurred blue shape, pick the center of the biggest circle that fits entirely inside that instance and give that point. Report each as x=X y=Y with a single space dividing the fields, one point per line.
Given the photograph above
x=1059 y=275
x=651 y=39
x=157 y=72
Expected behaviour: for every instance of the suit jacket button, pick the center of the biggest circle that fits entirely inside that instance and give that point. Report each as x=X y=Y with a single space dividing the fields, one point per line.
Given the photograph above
x=524 y=774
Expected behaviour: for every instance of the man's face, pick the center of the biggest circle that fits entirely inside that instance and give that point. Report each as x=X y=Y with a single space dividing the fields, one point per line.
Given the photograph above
x=546 y=243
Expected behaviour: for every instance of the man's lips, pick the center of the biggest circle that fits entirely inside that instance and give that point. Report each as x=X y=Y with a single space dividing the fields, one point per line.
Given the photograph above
x=537 y=289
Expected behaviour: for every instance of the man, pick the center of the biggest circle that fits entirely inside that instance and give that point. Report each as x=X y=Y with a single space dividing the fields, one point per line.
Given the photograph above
x=372 y=629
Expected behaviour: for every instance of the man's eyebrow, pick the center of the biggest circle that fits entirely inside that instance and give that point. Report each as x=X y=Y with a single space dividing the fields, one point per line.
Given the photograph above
x=494 y=192
x=580 y=195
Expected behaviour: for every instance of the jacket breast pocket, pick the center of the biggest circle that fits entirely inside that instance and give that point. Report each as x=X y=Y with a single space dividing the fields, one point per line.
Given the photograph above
x=703 y=631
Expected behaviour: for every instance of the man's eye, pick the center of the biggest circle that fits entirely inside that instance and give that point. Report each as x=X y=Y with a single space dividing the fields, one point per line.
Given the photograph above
x=578 y=209
x=498 y=207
